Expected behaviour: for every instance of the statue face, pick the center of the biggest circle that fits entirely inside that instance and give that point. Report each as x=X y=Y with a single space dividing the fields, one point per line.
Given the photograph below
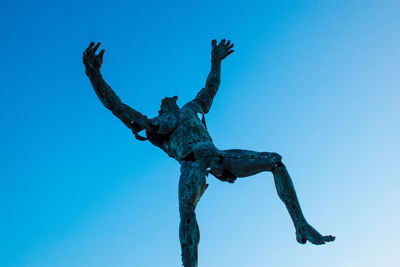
x=168 y=105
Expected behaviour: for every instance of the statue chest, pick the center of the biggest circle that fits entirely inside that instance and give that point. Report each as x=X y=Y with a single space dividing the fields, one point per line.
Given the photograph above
x=181 y=140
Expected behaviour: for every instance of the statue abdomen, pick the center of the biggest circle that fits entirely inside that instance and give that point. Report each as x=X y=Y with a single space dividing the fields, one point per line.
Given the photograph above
x=185 y=137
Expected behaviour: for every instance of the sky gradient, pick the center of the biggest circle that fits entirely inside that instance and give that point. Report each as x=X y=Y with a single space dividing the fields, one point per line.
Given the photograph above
x=316 y=81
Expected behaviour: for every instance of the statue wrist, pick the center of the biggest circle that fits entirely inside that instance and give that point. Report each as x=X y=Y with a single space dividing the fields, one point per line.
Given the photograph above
x=92 y=72
x=215 y=59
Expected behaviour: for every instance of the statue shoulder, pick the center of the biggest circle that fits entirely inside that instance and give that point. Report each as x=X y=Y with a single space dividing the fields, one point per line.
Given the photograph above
x=192 y=107
x=166 y=123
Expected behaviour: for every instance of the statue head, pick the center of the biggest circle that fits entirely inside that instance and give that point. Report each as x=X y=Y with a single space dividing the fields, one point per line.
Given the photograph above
x=168 y=105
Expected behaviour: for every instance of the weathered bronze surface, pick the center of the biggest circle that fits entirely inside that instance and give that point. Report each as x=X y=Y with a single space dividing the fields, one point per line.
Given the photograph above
x=184 y=137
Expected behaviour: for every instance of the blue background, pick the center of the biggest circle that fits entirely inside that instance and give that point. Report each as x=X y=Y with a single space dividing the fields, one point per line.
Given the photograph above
x=316 y=81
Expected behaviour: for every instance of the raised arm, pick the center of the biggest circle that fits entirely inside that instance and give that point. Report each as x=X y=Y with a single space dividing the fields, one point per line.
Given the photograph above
x=219 y=52
x=130 y=117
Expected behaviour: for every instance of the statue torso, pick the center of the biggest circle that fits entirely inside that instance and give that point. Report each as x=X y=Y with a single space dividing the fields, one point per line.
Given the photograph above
x=181 y=133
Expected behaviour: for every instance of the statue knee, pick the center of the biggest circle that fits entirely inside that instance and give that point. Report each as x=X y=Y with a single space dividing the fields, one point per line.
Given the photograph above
x=186 y=211
x=273 y=159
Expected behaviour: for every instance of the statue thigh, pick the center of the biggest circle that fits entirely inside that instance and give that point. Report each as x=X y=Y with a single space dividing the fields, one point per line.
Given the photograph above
x=243 y=163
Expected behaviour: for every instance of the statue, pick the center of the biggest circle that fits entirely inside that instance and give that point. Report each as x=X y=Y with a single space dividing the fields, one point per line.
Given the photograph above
x=184 y=137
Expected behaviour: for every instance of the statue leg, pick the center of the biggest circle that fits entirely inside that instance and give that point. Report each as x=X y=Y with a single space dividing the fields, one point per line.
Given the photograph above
x=192 y=185
x=243 y=163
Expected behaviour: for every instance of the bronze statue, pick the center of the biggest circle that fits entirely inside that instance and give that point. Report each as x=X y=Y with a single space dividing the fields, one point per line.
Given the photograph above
x=184 y=137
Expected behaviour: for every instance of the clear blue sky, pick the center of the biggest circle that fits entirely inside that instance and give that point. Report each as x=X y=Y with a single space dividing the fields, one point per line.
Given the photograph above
x=316 y=81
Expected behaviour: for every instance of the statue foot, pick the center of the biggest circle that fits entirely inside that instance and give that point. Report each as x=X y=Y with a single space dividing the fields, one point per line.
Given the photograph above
x=306 y=232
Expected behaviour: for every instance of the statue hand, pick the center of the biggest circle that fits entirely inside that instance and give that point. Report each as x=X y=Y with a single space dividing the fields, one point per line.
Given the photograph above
x=222 y=50
x=92 y=61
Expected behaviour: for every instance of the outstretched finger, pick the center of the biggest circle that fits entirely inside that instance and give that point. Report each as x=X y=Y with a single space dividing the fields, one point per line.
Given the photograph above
x=228 y=43
x=87 y=51
x=227 y=54
x=222 y=43
x=96 y=47
x=101 y=53
x=90 y=47
x=214 y=43
x=229 y=47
